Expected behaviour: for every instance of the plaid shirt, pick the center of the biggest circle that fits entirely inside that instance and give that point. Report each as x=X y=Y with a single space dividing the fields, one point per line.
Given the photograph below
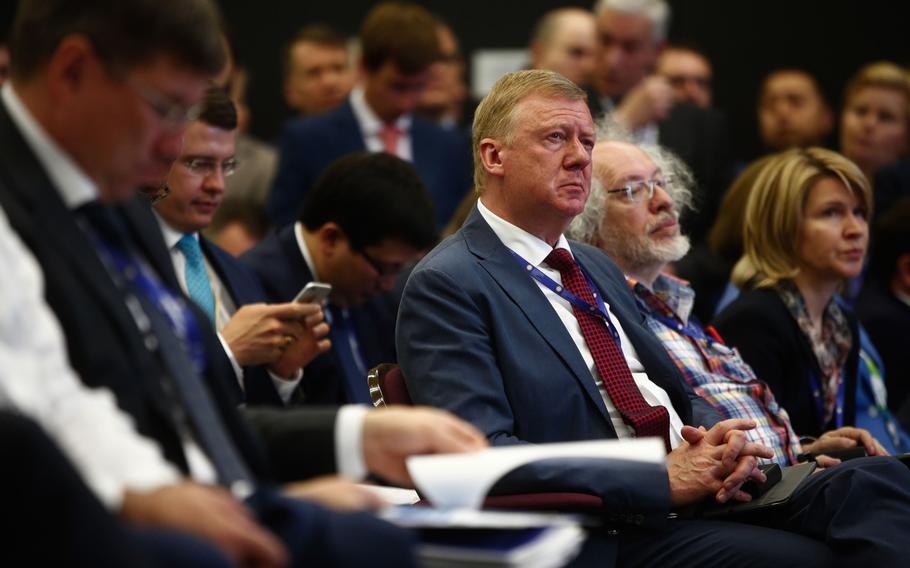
x=716 y=372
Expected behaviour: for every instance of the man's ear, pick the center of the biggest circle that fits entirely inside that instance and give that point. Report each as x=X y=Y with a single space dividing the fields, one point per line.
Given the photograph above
x=331 y=237
x=69 y=66
x=491 y=156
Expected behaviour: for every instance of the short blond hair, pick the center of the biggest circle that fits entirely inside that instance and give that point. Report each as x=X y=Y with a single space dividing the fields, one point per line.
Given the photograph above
x=882 y=74
x=495 y=114
x=774 y=211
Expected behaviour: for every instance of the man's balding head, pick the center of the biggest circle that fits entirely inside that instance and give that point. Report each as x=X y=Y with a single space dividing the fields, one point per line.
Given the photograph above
x=564 y=41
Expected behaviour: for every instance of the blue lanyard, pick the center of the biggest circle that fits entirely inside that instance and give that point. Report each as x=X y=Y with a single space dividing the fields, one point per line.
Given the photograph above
x=820 y=399
x=600 y=309
x=177 y=313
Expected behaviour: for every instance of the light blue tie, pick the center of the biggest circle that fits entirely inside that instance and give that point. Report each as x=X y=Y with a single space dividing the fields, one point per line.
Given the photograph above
x=197 y=279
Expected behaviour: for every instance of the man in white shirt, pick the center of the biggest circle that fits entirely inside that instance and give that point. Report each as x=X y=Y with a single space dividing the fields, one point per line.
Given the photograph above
x=96 y=105
x=399 y=44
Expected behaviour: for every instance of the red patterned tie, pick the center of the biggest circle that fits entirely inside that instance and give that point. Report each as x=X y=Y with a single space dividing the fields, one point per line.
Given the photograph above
x=645 y=419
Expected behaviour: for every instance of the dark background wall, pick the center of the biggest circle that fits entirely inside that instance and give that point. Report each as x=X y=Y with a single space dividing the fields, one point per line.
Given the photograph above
x=744 y=38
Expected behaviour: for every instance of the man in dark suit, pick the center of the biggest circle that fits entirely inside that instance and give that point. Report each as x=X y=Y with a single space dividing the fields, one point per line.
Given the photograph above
x=631 y=36
x=537 y=339
x=99 y=96
x=268 y=344
x=399 y=44
x=366 y=218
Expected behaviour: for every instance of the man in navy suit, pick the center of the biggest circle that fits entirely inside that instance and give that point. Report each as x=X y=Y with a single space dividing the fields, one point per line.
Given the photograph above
x=267 y=344
x=367 y=217
x=399 y=44
x=533 y=339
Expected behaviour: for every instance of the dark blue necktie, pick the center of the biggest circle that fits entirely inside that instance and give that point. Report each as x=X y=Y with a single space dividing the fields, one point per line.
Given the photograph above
x=348 y=354
x=172 y=333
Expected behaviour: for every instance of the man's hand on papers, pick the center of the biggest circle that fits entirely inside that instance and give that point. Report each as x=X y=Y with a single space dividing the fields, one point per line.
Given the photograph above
x=210 y=513
x=335 y=493
x=390 y=435
x=714 y=462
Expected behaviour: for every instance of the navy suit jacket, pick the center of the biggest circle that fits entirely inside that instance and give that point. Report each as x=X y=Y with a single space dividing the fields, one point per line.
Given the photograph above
x=103 y=342
x=308 y=145
x=477 y=336
x=283 y=272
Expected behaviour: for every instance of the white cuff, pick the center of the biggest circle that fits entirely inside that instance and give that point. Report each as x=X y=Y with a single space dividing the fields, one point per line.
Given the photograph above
x=349 y=441
x=238 y=370
x=285 y=387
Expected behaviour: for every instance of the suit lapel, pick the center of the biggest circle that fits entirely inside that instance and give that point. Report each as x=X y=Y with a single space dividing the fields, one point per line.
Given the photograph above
x=526 y=295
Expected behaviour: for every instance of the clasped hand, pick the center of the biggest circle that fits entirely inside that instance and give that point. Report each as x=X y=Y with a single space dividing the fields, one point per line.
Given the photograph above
x=714 y=462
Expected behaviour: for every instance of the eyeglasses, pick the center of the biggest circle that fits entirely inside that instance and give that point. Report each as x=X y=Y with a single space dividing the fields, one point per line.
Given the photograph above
x=383 y=269
x=642 y=190
x=173 y=114
x=204 y=167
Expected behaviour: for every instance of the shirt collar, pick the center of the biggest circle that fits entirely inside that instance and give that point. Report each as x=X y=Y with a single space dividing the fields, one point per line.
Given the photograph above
x=370 y=123
x=529 y=247
x=671 y=292
x=171 y=235
x=304 y=251
x=70 y=181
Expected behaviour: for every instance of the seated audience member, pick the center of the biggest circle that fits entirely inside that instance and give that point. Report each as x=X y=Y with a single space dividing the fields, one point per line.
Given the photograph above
x=884 y=303
x=805 y=234
x=792 y=111
x=238 y=225
x=631 y=35
x=632 y=215
x=501 y=325
x=281 y=337
x=366 y=218
x=443 y=100
x=875 y=126
x=317 y=70
x=399 y=43
x=689 y=73
x=564 y=41
x=83 y=124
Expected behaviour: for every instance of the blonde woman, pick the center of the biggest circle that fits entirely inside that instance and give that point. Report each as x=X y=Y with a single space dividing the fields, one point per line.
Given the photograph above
x=805 y=234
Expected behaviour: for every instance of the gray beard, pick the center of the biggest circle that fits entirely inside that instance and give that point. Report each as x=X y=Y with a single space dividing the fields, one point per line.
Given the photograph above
x=637 y=253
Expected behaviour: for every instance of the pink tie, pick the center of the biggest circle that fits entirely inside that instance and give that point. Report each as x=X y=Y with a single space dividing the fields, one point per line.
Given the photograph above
x=389 y=136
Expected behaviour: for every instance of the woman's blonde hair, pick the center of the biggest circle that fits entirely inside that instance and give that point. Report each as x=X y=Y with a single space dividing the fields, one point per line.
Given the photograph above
x=774 y=211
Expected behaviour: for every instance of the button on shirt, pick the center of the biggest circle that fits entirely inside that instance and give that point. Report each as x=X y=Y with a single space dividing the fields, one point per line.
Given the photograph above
x=535 y=250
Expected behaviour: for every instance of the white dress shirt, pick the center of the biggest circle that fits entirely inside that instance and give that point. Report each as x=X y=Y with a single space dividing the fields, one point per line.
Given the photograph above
x=76 y=189
x=535 y=250
x=371 y=125
x=36 y=379
x=225 y=307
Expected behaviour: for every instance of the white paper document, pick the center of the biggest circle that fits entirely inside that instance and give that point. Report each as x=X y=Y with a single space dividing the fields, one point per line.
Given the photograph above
x=463 y=480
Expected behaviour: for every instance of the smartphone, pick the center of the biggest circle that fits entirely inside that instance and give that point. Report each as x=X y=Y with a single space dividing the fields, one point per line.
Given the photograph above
x=314 y=293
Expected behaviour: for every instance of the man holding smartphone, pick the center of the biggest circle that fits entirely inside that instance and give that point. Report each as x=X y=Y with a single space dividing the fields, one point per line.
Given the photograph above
x=366 y=219
x=268 y=344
